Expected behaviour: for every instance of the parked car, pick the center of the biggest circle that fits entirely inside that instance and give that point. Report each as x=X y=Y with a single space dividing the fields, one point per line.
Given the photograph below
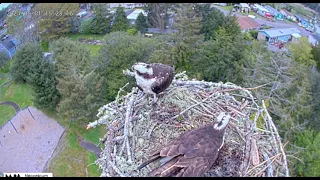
x=5 y=37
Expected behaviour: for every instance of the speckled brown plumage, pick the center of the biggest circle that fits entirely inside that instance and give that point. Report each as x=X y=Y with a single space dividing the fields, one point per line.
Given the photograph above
x=192 y=154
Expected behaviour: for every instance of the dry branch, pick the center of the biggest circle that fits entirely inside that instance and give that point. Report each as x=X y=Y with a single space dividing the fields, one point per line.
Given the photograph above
x=135 y=129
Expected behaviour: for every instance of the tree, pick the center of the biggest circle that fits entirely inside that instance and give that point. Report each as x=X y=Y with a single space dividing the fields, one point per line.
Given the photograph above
x=43 y=81
x=158 y=14
x=78 y=84
x=316 y=55
x=287 y=87
x=3 y=59
x=14 y=22
x=221 y=59
x=55 y=18
x=85 y=26
x=301 y=52
x=141 y=23
x=100 y=24
x=21 y=67
x=211 y=21
x=181 y=47
x=120 y=52
x=120 y=23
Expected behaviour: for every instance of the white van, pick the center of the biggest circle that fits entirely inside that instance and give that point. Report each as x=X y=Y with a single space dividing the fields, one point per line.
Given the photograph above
x=80 y=15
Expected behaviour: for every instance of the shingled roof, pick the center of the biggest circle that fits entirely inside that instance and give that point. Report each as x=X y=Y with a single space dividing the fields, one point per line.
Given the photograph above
x=247 y=23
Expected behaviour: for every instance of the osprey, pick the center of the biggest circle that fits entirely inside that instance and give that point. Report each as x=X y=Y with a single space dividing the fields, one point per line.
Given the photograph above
x=193 y=153
x=153 y=78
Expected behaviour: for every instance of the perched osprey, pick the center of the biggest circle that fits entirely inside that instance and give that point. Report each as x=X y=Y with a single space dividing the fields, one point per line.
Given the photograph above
x=193 y=153
x=153 y=78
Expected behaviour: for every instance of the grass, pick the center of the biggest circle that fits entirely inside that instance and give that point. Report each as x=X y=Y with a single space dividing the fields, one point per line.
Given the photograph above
x=94 y=49
x=17 y=92
x=300 y=9
x=75 y=37
x=77 y=157
x=6 y=113
x=228 y=8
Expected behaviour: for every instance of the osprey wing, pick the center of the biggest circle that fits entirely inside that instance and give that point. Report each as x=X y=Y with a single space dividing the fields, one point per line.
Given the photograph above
x=192 y=154
x=164 y=75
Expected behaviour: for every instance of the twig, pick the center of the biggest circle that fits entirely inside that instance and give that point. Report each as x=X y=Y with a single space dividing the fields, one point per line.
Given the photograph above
x=274 y=157
x=116 y=169
x=279 y=140
x=266 y=166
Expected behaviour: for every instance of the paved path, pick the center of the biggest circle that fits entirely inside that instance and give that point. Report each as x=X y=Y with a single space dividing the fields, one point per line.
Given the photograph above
x=90 y=146
x=12 y=104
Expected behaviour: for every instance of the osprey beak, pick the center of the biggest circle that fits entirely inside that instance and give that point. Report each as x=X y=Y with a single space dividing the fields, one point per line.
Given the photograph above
x=131 y=69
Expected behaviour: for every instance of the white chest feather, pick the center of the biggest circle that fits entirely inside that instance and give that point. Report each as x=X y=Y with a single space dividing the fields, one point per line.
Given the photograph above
x=145 y=84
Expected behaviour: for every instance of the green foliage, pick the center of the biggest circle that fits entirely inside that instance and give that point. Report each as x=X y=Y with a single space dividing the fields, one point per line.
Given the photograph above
x=14 y=22
x=3 y=59
x=120 y=23
x=78 y=84
x=316 y=55
x=85 y=26
x=301 y=52
x=120 y=52
x=310 y=140
x=56 y=18
x=21 y=66
x=132 y=31
x=154 y=9
x=100 y=24
x=254 y=33
x=179 y=49
x=211 y=21
x=141 y=23
x=45 y=46
x=221 y=59
x=43 y=81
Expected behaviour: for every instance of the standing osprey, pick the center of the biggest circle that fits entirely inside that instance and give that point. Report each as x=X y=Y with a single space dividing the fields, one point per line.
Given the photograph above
x=153 y=78
x=193 y=153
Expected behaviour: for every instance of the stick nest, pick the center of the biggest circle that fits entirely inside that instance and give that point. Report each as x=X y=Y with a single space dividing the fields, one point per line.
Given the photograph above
x=136 y=128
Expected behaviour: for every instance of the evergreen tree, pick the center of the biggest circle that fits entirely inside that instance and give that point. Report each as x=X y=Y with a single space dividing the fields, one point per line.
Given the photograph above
x=120 y=23
x=44 y=83
x=21 y=67
x=141 y=23
x=211 y=21
x=302 y=52
x=181 y=47
x=100 y=24
x=78 y=83
x=120 y=52
x=316 y=55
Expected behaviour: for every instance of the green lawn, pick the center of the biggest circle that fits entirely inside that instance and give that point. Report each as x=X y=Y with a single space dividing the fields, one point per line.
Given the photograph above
x=75 y=37
x=94 y=49
x=228 y=8
x=17 y=92
x=6 y=112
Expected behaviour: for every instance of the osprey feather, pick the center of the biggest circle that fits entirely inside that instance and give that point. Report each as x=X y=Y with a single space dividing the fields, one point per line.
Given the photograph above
x=153 y=78
x=193 y=153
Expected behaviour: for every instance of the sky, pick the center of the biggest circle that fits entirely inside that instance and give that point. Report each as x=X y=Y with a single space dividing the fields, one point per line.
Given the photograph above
x=4 y=5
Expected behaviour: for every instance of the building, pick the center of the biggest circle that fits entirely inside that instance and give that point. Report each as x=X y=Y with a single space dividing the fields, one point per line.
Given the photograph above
x=275 y=13
x=132 y=17
x=288 y=15
x=261 y=10
x=9 y=47
x=243 y=7
x=314 y=39
x=273 y=36
x=247 y=23
x=304 y=22
x=126 y=5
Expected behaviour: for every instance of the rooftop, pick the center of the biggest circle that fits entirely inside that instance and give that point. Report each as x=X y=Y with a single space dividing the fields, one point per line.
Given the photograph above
x=261 y=8
x=316 y=36
x=158 y=30
x=247 y=23
x=134 y=15
x=8 y=44
x=287 y=12
x=272 y=10
x=244 y=5
x=280 y=32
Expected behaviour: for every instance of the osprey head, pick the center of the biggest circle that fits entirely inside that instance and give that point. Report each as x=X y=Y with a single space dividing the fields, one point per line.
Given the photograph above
x=222 y=121
x=142 y=68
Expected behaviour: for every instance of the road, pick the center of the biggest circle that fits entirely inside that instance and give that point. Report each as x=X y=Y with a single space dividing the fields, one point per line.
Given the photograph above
x=276 y=24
